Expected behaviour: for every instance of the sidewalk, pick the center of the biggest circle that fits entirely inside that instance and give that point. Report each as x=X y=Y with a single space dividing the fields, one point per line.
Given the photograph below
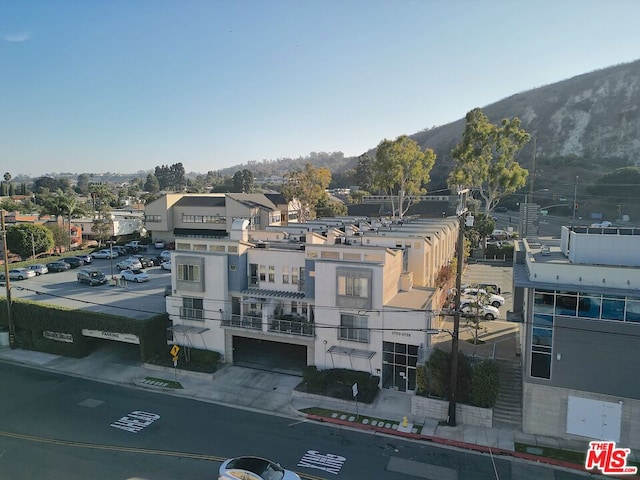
x=273 y=393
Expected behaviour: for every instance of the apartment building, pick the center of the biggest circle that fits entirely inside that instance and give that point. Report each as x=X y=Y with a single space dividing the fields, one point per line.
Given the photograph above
x=580 y=303
x=212 y=215
x=334 y=293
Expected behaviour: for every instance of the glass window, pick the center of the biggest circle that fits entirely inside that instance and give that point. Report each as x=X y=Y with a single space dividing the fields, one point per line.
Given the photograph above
x=285 y=274
x=541 y=365
x=613 y=308
x=272 y=274
x=354 y=328
x=189 y=273
x=542 y=337
x=633 y=311
x=589 y=306
x=566 y=304
x=263 y=273
x=353 y=287
x=541 y=320
x=294 y=275
x=543 y=301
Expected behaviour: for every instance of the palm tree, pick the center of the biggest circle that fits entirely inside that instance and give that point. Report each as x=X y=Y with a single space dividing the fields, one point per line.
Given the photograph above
x=7 y=179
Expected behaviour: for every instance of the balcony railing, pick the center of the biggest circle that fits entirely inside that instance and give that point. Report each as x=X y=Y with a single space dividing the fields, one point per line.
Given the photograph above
x=293 y=327
x=191 y=313
x=243 y=321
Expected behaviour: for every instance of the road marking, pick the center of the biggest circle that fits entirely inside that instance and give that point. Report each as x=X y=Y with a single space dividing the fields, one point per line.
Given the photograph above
x=135 y=421
x=328 y=462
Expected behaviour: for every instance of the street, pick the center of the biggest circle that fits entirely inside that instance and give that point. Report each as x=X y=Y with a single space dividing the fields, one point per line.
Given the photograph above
x=56 y=426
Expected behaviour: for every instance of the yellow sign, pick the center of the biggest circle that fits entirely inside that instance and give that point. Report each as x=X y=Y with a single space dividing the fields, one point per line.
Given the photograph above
x=174 y=350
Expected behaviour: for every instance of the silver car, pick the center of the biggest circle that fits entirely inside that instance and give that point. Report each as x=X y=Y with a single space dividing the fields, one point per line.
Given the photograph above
x=39 y=268
x=19 y=274
x=254 y=468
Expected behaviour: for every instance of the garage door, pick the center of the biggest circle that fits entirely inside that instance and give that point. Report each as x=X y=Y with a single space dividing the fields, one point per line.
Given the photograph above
x=271 y=356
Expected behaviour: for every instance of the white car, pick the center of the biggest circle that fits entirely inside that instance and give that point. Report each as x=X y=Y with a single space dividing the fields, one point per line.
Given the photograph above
x=129 y=264
x=19 y=274
x=165 y=255
x=254 y=468
x=488 y=312
x=166 y=265
x=485 y=297
x=108 y=254
x=137 y=276
x=159 y=244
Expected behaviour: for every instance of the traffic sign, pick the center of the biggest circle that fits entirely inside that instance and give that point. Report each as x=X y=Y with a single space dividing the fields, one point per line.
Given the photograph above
x=174 y=350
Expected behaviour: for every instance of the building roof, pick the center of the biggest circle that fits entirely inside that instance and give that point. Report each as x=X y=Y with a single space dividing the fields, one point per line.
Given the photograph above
x=253 y=199
x=201 y=201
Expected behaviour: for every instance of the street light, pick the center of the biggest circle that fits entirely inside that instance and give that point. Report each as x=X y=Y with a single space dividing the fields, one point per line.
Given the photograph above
x=461 y=210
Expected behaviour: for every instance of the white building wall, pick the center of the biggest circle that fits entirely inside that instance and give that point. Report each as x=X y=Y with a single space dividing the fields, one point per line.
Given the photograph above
x=215 y=303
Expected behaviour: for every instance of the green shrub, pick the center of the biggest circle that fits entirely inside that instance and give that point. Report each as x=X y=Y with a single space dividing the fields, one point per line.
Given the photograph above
x=485 y=384
x=438 y=375
x=338 y=383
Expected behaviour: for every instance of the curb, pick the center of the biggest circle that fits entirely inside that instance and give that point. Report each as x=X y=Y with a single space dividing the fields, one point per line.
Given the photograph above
x=451 y=443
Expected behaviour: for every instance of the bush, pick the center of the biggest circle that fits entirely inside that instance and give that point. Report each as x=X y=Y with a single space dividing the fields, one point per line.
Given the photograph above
x=438 y=376
x=485 y=384
x=338 y=383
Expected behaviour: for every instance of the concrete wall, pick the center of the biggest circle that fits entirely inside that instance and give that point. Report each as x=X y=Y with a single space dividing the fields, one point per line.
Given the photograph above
x=545 y=413
x=439 y=409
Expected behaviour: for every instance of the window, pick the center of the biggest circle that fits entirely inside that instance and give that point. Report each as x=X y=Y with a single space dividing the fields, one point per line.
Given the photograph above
x=353 y=287
x=285 y=274
x=263 y=273
x=354 y=328
x=294 y=275
x=253 y=274
x=192 y=308
x=294 y=307
x=152 y=218
x=542 y=329
x=272 y=274
x=189 y=273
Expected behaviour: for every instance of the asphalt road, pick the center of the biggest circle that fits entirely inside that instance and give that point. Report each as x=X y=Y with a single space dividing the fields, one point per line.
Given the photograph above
x=55 y=427
x=136 y=300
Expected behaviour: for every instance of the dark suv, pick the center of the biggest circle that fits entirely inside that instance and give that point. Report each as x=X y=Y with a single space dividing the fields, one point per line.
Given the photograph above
x=91 y=276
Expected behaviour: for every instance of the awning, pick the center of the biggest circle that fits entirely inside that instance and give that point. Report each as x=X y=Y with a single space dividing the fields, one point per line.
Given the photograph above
x=277 y=294
x=351 y=352
x=187 y=329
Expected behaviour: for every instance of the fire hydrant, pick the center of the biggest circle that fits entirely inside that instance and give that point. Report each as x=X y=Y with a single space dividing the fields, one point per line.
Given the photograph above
x=405 y=421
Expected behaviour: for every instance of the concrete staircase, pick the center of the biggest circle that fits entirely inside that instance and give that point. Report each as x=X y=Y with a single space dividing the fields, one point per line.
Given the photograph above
x=507 y=411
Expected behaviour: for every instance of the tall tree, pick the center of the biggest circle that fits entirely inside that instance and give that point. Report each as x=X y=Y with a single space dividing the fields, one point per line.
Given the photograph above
x=82 y=185
x=364 y=171
x=485 y=158
x=152 y=185
x=308 y=187
x=27 y=239
x=401 y=170
x=7 y=179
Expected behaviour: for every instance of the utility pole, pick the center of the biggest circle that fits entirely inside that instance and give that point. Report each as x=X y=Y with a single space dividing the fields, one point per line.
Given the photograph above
x=575 y=198
x=12 y=330
x=461 y=210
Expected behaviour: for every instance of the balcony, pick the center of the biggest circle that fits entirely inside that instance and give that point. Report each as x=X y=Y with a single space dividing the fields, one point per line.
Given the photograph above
x=250 y=322
x=191 y=313
x=293 y=325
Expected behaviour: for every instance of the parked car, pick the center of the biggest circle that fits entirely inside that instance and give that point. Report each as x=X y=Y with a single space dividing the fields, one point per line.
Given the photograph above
x=488 y=312
x=500 y=209
x=18 y=274
x=254 y=468
x=159 y=244
x=500 y=235
x=39 y=268
x=105 y=254
x=136 y=276
x=122 y=250
x=146 y=261
x=486 y=297
x=135 y=246
x=75 y=262
x=91 y=276
x=489 y=287
x=165 y=255
x=85 y=258
x=166 y=265
x=130 y=263
x=58 y=266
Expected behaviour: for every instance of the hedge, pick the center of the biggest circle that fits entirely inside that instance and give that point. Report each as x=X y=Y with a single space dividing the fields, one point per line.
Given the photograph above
x=338 y=383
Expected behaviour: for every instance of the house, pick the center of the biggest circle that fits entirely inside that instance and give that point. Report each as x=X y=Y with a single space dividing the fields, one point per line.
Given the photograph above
x=580 y=304
x=335 y=293
x=212 y=215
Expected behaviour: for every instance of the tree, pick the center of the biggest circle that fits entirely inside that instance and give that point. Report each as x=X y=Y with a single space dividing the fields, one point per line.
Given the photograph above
x=59 y=235
x=364 y=171
x=7 y=179
x=308 y=187
x=82 y=185
x=25 y=238
x=483 y=225
x=326 y=207
x=485 y=158
x=152 y=185
x=401 y=170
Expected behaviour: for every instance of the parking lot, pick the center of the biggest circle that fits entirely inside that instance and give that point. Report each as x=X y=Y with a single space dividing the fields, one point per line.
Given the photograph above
x=133 y=300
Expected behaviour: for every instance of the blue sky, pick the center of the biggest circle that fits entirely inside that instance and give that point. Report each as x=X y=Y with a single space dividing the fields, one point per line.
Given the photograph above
x=123 y=86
